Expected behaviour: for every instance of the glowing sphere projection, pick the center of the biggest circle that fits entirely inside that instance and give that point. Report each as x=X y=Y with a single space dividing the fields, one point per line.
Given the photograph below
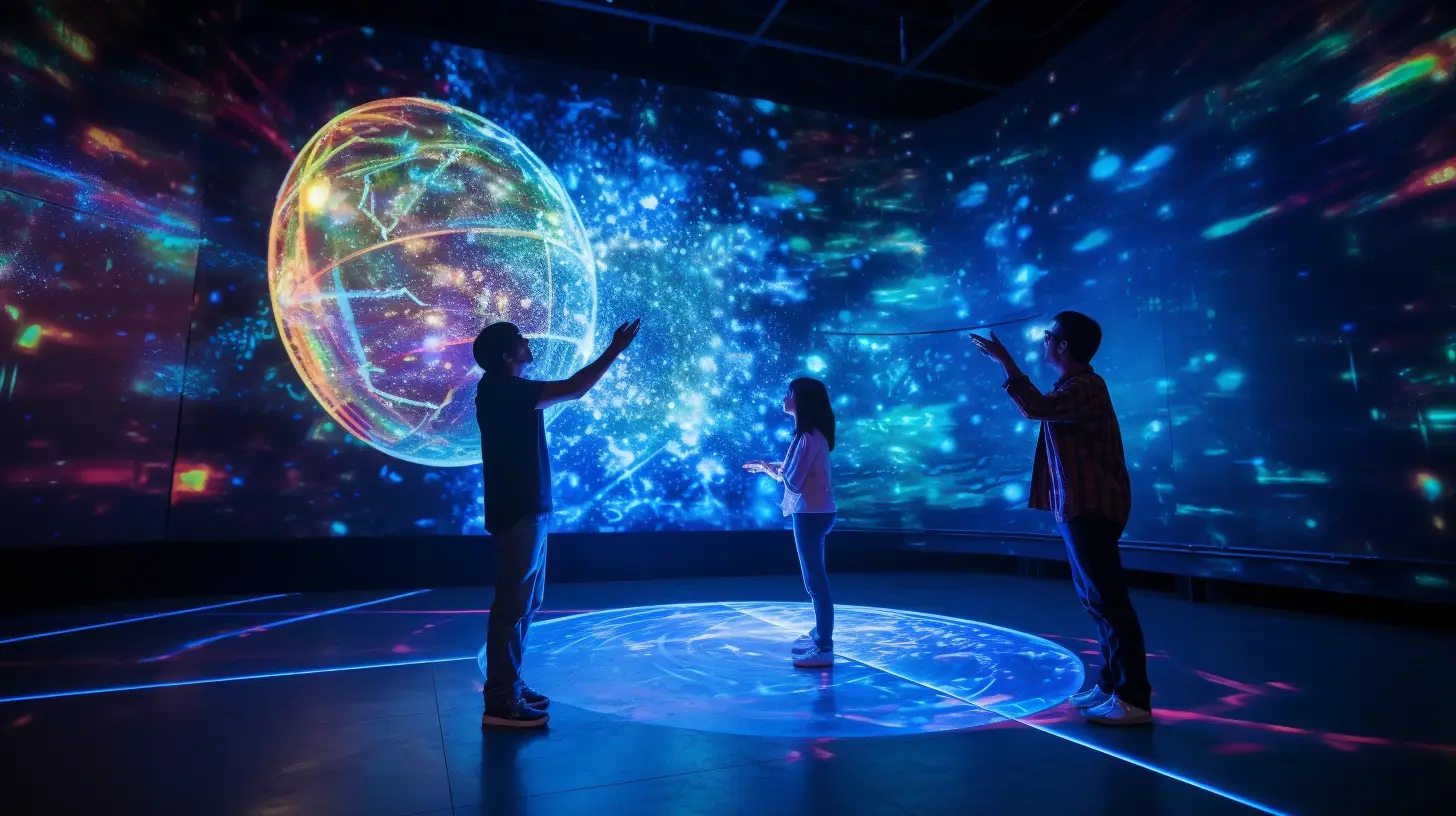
x=724 y=667
x=403 y=228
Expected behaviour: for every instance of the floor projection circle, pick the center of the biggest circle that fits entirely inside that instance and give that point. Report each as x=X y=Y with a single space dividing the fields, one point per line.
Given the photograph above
x=724 y=667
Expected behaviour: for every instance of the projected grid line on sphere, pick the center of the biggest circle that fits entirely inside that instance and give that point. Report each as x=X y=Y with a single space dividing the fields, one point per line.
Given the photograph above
x=423 y=198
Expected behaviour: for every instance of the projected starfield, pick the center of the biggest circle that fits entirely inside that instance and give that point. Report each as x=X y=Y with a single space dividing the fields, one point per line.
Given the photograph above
x=1258 y=213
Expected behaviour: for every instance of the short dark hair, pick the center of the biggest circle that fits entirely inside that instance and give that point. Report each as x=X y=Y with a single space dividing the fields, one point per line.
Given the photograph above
x=492 y=345
x=1082 y=334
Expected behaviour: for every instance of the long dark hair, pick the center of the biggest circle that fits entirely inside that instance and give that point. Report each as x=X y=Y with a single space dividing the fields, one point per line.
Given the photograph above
x=812 y=411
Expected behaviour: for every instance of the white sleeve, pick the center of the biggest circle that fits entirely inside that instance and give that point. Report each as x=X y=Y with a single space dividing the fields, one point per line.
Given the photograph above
x=802 y=460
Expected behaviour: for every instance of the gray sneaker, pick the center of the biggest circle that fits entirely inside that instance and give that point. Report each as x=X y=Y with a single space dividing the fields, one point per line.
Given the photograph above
x=1091 y=698
x=1116 y=712
x=814 y=659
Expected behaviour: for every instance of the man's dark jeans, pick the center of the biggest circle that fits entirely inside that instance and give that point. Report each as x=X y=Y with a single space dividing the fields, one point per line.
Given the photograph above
x=1102 y=586
x=520 y=585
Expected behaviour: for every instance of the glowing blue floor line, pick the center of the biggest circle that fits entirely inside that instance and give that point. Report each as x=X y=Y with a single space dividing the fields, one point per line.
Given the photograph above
x=197 y=644
x=51 y=695
x=143 y=618
x=1173 y=775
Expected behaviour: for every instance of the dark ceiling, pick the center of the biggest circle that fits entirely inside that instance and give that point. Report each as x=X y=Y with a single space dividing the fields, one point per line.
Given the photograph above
x=894 y=60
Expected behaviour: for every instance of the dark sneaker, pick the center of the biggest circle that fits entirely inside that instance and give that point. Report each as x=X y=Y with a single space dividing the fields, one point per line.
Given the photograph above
x=535 y=699
x=515 y=714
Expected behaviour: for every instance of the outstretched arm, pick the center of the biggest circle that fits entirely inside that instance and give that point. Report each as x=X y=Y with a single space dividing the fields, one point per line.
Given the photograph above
x=1075 y=401
x=773 y=469
x=577 y=385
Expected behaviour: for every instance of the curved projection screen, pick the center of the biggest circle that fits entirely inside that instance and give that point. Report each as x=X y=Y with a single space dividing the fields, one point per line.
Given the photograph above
x=1257 y=205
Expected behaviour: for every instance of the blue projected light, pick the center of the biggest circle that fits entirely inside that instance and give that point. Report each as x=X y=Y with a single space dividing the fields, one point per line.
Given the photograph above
x=197 y=644
x=143 y=618
x=724 y=667
x=1105 y=167
x=1132 y=760
x=208 y=681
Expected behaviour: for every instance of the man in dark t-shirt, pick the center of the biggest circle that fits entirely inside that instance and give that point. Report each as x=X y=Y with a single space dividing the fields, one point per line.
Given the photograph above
x=517 y=474
x=517 y=466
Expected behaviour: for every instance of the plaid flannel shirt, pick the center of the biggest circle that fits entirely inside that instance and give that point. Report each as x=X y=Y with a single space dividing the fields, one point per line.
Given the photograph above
x=1079 y=467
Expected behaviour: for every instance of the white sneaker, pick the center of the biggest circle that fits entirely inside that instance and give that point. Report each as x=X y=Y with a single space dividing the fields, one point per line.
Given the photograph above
x=814 y=659
x=802 y=645
x=1091 y=698
x=1116 y=712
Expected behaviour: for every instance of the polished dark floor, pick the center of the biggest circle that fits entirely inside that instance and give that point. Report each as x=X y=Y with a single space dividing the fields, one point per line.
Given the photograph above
x=1256 y=709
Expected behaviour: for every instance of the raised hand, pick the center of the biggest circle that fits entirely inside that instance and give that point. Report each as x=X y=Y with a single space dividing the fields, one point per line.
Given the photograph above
x=625 y=334
x=756 y=466
x=992 y=348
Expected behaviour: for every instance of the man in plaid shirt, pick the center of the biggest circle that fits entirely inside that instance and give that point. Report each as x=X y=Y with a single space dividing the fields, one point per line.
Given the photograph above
x=1080 y=475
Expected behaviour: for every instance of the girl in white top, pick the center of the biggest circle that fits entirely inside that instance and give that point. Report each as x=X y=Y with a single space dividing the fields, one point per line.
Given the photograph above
x=809 y=498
